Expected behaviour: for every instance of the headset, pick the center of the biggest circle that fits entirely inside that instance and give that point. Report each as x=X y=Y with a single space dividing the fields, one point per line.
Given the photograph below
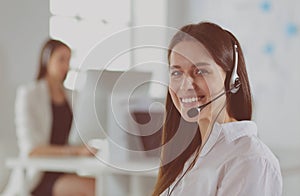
x=235 y=82
x=234 y=86
x=46 y=55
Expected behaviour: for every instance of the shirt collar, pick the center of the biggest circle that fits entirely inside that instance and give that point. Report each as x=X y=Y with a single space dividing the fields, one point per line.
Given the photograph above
x=212 y=139
x=231 y=131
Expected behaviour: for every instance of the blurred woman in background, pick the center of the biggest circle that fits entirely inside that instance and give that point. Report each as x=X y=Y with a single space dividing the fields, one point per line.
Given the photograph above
x=43 y=123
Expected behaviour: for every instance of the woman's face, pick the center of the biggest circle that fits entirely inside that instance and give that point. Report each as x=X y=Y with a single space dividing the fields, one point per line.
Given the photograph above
x=58 y=65
x=195 y=79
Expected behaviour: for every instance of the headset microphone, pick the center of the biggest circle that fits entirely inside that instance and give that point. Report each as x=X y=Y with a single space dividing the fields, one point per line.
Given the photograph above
x=195 y=111
x=234 y=86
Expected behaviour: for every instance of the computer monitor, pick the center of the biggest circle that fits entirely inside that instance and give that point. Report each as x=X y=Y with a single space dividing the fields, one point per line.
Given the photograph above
x=102 y=108
x=150 y=126
x=99 y=109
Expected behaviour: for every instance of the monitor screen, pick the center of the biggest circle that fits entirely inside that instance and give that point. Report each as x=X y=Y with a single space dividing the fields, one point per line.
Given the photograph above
x=149 y=125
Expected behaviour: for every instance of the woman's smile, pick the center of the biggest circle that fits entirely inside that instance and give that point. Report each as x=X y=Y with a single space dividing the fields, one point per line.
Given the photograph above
x=192 y=101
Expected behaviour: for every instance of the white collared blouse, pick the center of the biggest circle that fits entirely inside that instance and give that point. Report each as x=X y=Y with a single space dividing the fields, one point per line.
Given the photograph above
x=233 y=162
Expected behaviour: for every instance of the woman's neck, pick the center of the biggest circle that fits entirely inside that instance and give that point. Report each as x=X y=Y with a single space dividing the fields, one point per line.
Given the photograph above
x=206 y=125
x=56 y=90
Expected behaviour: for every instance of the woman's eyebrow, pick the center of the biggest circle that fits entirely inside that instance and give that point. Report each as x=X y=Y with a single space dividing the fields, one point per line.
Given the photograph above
x=174 y=66
x=200 y=64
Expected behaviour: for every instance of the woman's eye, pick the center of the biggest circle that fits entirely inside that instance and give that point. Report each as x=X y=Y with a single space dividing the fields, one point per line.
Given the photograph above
x=175 y=73
x=201 y=72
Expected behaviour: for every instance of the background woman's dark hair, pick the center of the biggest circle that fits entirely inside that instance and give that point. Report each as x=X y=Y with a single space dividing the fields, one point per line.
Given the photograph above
x=220 y=44
x=49 y=47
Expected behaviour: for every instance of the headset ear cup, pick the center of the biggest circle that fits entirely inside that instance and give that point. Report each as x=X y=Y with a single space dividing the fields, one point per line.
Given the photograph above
x=235 y=80
x=237 y=84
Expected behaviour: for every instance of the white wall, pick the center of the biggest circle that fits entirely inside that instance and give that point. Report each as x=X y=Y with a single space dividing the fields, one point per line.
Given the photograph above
x=24 y=27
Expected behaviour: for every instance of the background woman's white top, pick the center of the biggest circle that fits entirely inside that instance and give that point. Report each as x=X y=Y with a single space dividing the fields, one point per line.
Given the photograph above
x=33 y=119
x=233 y=162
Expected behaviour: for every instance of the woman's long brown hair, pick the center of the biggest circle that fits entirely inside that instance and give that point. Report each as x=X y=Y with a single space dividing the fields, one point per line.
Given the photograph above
x=220 y=44
x=48 y=48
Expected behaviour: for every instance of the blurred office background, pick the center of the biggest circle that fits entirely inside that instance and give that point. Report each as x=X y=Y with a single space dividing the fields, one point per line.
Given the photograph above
x=268 y=30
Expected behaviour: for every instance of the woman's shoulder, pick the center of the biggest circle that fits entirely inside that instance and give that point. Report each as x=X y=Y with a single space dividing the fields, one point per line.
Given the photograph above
x=32 y=87
x=255 y=153
x=245 y=145
x=31 y=94
x=254 y=148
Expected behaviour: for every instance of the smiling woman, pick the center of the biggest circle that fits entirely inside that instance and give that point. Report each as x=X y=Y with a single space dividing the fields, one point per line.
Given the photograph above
x=216 y=150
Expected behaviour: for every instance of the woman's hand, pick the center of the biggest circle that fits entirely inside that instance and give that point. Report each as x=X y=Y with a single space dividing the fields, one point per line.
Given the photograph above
x=56 y=150
x=86 y=151
x=82 y=150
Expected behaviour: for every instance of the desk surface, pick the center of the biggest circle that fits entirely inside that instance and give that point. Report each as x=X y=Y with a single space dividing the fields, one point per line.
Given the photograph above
x=289 y=162
x=88 y=165
x=85 y=166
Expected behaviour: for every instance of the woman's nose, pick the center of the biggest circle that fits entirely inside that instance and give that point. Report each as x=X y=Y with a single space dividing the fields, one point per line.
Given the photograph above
x=187 y=83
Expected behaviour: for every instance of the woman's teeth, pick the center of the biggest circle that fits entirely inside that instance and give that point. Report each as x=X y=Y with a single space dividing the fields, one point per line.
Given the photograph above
x=190 y=100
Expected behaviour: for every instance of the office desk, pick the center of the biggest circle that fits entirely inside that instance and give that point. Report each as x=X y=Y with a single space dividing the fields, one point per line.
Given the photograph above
x=87 y=166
